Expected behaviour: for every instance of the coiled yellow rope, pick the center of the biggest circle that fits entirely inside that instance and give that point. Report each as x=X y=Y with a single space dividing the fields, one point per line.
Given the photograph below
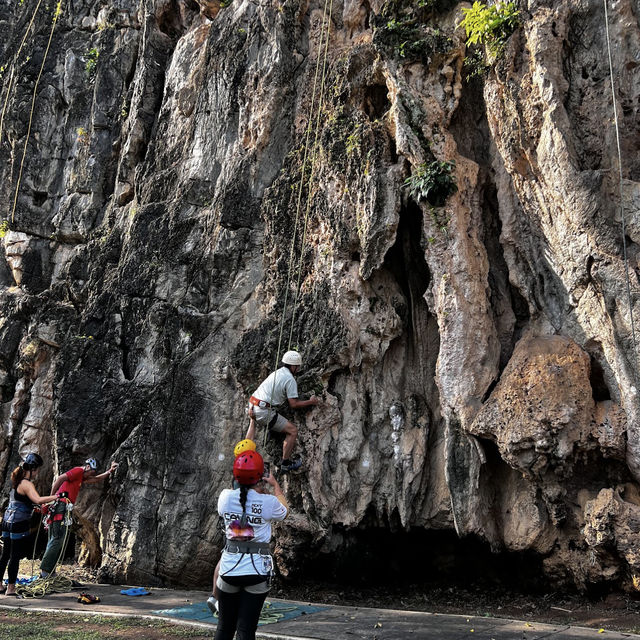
x=52 y=583
x=44 y=586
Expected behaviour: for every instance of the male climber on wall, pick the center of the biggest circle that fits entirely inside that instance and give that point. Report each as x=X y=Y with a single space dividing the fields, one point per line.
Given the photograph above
x=66 y=487
x=279 y=386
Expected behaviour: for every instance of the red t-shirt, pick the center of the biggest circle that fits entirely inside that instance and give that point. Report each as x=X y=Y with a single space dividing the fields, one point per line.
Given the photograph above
x=73 y=482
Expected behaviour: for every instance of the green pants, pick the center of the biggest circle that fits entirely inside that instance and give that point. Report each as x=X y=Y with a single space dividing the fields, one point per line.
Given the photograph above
x=57 y=532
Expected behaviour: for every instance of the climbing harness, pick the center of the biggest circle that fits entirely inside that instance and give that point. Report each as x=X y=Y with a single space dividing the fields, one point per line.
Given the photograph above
x=87 y=598
x=17 y=512
x=60 y=510
x=260 y=403
x=620 y=181
x=247 y=546
x=260 y=551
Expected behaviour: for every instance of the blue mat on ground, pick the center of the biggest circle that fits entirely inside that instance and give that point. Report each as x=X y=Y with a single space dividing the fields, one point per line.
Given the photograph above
x=136 y=591
x=20 y=581
x=271 y=612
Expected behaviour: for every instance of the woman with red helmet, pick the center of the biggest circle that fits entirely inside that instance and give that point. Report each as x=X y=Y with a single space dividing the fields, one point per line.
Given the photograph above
x=246 y=563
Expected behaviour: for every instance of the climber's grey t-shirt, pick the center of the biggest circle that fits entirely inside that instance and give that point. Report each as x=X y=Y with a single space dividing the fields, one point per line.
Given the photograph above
x=278 y=387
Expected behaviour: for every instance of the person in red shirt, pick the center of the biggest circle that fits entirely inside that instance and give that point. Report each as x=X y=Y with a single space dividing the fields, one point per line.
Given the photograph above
x=67 y=487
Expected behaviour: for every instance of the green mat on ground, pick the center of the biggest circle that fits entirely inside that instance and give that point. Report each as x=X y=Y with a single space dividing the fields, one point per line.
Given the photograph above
x=271 y=612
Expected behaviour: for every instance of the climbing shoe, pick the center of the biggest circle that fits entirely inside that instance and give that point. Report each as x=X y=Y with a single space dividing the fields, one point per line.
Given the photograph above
x=290 y=465
x=212 y=603
x=87 y=598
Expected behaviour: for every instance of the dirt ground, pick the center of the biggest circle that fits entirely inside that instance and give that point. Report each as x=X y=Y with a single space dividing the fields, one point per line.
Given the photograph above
x=44 y=626
x=615 y=611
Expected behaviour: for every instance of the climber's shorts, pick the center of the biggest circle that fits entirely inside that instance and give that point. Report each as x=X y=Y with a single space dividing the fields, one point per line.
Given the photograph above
x=269 y=417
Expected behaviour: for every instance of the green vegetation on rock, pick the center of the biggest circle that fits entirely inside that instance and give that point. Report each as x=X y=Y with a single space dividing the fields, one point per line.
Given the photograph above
x=490 y=25
x=403 y=31
x=91 y=61
x=432 y=182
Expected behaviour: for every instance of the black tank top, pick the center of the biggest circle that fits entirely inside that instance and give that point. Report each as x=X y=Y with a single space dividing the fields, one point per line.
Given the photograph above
x=14 y=496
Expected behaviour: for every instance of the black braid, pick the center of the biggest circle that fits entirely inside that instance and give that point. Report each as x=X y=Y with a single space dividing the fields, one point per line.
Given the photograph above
x=244 y=489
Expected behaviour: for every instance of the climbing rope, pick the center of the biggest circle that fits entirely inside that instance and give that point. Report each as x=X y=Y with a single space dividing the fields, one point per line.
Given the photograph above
x=52 y=583
x=314 y=157
x=312 y=124
x=35 y=544
x=620 y=181
x=56 y=14
x=13 y=66
x=325 y=32
x=44 y=586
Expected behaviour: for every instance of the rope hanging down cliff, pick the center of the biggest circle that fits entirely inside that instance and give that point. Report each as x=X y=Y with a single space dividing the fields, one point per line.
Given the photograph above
x=317 y=102
x=313 y=123
x=56 y=14
x=314 y=157
x=12 y=75
x=620 y=180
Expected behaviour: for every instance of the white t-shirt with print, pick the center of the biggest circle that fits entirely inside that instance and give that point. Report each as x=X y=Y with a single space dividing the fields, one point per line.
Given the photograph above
x=275 y=393
x=261 y=509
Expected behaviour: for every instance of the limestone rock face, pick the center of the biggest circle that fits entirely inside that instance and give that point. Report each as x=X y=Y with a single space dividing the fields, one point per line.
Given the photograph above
x=611 y=529
x=542 y=415
x=202 y=178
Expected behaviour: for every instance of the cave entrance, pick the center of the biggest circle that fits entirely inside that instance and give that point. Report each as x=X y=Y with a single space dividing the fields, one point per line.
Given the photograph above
x=419 y=343
x=422 y=560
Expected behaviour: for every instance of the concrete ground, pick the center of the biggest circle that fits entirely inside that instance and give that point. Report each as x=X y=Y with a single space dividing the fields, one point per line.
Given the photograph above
x=331 y=623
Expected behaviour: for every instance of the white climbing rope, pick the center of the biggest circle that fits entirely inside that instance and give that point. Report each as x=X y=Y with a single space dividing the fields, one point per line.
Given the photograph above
x=620 y=180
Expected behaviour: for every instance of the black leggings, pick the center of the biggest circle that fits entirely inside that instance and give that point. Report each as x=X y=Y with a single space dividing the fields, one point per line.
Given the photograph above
x=12 y=552
x=239 y=611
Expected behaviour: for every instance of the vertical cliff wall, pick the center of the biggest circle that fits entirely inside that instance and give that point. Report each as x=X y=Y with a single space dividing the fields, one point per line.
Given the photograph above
x=473 y=351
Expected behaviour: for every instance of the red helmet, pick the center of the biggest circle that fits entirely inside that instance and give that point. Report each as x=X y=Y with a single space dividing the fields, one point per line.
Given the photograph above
x=248 y=468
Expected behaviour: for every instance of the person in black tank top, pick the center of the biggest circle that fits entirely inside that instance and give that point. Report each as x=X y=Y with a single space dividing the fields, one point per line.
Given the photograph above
x=16 y=521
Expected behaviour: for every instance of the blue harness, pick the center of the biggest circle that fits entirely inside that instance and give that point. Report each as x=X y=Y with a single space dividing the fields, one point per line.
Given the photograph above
x=17 y=513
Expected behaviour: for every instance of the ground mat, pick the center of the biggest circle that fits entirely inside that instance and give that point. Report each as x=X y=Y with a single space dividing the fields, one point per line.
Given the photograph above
x=271 y=612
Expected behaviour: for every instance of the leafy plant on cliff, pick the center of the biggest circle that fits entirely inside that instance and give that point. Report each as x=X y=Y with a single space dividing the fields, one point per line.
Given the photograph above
x=490 y=25
x=432 y=182
x=91 y=61
x=406 y=38
x=423 y=8
x=404 y=29
x=475 y=64
x=4 y=228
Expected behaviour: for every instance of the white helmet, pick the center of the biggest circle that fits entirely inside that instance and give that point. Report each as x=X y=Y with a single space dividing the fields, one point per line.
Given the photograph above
x=292 y=357
x=91 y=463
